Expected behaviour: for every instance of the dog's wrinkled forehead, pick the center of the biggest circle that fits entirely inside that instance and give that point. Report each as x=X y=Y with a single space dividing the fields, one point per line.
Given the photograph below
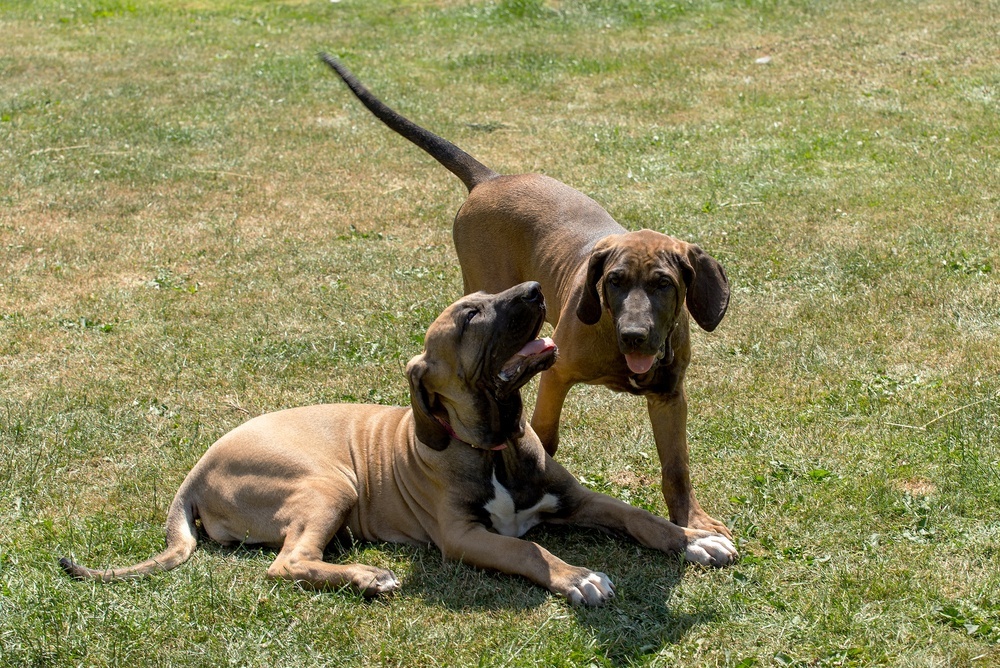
x=657 y=253
x=454 y=319
x=447 y=338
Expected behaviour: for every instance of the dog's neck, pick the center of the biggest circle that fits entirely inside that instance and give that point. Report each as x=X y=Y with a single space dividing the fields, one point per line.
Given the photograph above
x=451 y=432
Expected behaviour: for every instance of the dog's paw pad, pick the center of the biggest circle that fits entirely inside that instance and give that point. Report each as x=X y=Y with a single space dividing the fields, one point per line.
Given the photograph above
x=711 y=550
x=592 y=589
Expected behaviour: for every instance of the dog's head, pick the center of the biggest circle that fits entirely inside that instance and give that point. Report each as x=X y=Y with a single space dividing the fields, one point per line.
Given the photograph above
x=477 y=355
x=644 y=279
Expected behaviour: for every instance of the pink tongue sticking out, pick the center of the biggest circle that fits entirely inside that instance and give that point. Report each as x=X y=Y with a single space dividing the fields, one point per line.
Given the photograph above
x=535 y=347
x=639 y=363
x=513 y=365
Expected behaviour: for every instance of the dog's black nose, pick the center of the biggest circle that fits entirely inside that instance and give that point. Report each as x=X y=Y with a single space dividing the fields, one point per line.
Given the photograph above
x=532 y=292
x=633 y=338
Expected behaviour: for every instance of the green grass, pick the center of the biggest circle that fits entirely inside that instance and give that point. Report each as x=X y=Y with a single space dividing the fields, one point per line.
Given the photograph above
x=198 y=223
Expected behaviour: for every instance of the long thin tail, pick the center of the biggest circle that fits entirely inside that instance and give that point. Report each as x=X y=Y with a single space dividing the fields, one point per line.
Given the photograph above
x=458 y=162
x=181 y=543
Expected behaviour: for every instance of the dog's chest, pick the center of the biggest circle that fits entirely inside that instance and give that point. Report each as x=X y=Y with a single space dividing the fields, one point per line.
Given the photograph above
x=662 y=379
x=507 y=519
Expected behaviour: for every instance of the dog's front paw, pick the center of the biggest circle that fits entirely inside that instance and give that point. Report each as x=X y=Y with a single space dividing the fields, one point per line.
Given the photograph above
x=589 y=588
x=710 y=549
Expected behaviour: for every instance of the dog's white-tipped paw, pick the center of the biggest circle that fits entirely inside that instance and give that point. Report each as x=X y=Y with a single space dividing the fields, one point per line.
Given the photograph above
x=592 y=589
x=711 y=549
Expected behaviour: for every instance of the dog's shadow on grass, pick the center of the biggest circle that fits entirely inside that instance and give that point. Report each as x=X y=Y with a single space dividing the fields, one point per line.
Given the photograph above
x=639 y=620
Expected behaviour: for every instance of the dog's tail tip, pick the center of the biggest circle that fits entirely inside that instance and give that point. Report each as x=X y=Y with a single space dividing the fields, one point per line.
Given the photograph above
x=331 y=60
x=71 y=568
x=458 y=162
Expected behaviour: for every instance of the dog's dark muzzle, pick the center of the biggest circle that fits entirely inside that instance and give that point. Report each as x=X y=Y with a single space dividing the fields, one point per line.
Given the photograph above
x=519 y=353
x=643 y=348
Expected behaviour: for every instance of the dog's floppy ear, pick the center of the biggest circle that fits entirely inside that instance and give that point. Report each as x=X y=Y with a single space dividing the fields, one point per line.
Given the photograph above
x=589 y=308
x=428 y=429
x=707 y=290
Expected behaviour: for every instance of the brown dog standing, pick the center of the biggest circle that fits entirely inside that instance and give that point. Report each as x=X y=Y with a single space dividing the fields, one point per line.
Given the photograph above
x=459 y=469
x=619 y=300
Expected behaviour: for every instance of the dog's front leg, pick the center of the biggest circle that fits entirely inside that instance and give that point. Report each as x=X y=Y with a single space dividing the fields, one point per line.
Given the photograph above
x=552 y=390
x=601 y=511
x=668 y=414
x=473 y=544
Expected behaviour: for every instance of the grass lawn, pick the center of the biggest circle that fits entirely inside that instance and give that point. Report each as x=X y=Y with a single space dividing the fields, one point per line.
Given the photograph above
x=198 y=223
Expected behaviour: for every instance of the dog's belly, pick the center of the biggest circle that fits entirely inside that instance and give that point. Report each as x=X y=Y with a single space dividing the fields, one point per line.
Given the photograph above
x=507 y=520
x=240 y=531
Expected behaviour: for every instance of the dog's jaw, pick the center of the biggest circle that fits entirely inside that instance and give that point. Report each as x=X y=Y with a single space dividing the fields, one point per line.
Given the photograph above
x=512 y=354
x=537 y=355
x=532 y=357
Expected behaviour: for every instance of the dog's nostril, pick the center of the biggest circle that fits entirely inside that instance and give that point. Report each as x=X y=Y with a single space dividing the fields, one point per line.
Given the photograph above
x=534 y=293
x=633 y=337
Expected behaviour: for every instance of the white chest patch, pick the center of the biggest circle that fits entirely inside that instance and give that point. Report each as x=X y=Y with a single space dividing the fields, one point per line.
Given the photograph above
x=509 y=521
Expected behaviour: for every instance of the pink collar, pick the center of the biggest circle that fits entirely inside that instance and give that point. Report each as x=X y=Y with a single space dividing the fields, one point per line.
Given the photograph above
x=451 y=432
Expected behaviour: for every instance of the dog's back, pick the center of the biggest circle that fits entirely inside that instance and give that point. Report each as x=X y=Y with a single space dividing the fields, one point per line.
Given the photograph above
x=528 y=227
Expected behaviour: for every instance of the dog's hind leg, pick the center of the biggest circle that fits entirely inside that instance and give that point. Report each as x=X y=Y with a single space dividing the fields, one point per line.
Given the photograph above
x=305 y=566
x=301 y=559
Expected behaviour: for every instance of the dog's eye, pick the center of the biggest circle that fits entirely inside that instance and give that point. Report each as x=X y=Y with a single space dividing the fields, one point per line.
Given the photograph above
x=615 y=279
x=470 y=315
x=665 y=283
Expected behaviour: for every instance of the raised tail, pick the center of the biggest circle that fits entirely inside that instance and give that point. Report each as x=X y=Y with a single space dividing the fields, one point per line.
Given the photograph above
x=181 y=543
x=458 y=162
